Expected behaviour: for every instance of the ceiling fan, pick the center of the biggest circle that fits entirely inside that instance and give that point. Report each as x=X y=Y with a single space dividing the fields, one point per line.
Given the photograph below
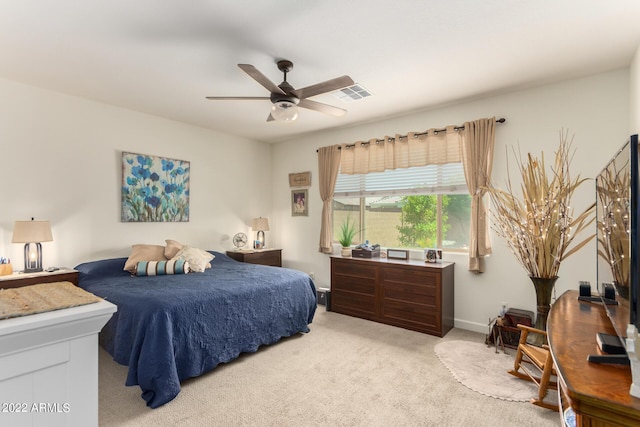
x=286 y=99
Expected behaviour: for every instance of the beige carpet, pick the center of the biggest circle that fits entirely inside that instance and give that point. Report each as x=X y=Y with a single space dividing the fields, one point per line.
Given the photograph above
x=481 y=369
x=345 y=372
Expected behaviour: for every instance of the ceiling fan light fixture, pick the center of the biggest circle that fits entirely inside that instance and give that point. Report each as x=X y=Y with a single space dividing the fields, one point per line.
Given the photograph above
x=286 y=99
x=284 y=111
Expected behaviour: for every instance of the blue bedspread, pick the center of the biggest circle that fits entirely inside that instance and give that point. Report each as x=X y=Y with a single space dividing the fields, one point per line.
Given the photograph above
x=170 y=328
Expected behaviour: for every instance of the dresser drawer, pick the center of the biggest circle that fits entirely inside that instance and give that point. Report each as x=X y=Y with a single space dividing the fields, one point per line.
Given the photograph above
x=354 y=284
x=412 y=285
x=271 y=257
x=343 y=267
x=419 y=294
x=353 y=304
x=414 y=316
x=413 y=276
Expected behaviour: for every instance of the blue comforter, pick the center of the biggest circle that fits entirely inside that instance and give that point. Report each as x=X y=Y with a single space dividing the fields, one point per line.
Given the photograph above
x=170 y=328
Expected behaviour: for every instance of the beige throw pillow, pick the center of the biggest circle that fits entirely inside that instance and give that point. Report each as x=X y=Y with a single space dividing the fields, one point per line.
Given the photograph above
x=172 y=248
x=198 y=259
x=143 y=253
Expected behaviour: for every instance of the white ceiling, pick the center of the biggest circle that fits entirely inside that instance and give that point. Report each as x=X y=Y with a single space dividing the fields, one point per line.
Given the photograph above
x=163 y=57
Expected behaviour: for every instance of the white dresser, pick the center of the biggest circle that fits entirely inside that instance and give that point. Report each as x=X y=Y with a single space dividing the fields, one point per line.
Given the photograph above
x=49 y=367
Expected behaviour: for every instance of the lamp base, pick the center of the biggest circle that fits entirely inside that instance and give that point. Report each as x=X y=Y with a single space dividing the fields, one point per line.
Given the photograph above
x=260 y=241
x=32 y=257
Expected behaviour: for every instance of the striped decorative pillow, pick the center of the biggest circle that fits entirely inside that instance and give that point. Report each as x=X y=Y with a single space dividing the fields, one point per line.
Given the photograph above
x=158 y=268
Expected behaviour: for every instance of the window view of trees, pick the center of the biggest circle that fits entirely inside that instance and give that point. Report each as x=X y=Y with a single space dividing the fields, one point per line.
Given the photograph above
x=416 y=207
x=413 y=221
x=419 y=227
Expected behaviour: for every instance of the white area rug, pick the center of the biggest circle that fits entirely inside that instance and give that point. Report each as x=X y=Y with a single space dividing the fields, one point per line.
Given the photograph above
x=481 y=369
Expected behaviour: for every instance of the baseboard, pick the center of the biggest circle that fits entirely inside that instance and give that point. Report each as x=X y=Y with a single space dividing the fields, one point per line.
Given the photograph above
x=483 y=328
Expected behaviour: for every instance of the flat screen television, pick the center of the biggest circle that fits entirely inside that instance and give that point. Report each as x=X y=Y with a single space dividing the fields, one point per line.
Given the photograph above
x=618 y=221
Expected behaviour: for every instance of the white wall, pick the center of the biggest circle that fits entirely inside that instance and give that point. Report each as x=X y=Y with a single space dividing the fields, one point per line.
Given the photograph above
x=634 y=94
x=594 y=109
x=61 y=161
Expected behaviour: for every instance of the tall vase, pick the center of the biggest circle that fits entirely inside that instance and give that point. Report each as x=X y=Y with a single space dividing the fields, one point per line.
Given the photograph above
x=544 y=289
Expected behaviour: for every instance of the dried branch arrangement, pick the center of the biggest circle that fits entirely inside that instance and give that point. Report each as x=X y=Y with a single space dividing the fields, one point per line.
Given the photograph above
x=613 y=189
x=539 y=226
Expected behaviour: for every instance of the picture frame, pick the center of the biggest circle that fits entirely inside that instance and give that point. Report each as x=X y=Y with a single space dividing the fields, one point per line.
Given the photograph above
x=154 y=188
x=433 y=255
x=300 y=179
x=402 y=254
x=299 y=202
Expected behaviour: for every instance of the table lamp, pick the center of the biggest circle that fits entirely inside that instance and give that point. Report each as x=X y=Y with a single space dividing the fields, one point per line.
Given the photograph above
x=31 y=233
x=260 y=225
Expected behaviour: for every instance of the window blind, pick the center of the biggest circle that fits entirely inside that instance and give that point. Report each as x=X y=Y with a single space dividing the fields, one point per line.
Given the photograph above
x=433 y=179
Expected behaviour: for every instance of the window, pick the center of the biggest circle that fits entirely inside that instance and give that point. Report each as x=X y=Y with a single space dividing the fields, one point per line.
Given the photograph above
x=418 y=207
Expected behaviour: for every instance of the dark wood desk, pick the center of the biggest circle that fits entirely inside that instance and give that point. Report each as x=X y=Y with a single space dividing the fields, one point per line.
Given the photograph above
x=599 y=394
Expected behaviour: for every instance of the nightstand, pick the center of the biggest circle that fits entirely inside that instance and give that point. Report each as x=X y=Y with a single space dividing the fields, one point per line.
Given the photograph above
x=271 y=257
x=17 y=280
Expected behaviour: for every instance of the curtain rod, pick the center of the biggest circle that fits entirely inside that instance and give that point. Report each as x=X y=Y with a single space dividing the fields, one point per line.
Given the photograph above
x=500 y=120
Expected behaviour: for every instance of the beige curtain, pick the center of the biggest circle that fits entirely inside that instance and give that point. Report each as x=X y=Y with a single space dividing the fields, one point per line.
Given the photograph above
x=328 y=167
x=473 y=147
x=478 y=145
x=415 y=149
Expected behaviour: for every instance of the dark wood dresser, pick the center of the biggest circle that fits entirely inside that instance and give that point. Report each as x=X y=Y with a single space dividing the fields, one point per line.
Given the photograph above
x=411 y=294
x=259 y=256
x=597 y=393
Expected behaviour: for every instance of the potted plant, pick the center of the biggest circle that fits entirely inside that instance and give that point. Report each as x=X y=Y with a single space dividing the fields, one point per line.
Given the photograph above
x=346 y=233
x=539 y=225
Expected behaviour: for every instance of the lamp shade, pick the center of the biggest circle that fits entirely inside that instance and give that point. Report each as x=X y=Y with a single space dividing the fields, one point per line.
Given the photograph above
x=260 y=224
x=284 y=111
x=31 y=231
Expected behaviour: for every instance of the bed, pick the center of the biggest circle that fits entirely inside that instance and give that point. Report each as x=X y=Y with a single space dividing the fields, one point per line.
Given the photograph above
x=172 y=327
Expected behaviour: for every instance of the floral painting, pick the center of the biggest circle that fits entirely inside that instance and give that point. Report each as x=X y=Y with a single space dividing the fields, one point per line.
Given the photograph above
x=154 y=189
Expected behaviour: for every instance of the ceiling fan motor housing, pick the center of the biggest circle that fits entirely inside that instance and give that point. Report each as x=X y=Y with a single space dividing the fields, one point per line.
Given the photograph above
x=278 y=98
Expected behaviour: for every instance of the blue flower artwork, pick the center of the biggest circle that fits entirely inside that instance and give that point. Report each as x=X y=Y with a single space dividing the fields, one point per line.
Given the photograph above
x=154 y=189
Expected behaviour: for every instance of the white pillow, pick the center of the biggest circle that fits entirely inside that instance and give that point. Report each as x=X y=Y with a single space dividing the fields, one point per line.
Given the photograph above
x=198 y=259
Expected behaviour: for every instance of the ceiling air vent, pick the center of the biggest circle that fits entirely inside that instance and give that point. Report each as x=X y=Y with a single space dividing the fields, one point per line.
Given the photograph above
x=352 y=93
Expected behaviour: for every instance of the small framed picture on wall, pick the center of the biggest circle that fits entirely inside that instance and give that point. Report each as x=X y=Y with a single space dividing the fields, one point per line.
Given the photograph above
x=300 y=179
x=299 y=204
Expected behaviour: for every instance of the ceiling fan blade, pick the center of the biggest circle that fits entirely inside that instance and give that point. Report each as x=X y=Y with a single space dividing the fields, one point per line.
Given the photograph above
x=237 y=98
x=328 y=86
x=260 y=78
x=323 y=108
